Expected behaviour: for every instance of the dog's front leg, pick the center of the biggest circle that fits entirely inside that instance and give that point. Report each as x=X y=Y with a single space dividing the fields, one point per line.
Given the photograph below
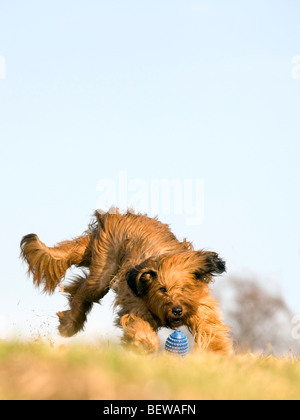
x=138 y=334
x=209 y=332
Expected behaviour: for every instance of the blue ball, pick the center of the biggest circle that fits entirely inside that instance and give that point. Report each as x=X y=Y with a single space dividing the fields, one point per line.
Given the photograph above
x=177 y=343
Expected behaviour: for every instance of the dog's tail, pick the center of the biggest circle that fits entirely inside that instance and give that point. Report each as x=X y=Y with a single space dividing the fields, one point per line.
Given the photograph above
x=49 y=265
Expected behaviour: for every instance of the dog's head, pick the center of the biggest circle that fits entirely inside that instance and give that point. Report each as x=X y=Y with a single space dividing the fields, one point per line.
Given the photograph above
x=172 y=285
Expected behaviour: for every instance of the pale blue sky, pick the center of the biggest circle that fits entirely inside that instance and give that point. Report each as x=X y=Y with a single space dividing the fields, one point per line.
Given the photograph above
x=160 y=89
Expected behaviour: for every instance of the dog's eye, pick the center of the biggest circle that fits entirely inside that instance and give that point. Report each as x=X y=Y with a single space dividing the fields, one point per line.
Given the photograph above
x=163 y=290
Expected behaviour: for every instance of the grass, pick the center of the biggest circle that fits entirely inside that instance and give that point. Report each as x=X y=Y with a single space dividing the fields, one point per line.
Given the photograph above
x=39 y=371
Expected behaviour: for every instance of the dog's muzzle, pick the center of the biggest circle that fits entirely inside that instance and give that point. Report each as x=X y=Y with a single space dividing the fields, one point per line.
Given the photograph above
x=177 y=311
x=176 y=320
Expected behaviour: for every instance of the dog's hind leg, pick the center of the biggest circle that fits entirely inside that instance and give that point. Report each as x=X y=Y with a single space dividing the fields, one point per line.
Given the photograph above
x=91 y=288
x=83 y=292
x=73 y=320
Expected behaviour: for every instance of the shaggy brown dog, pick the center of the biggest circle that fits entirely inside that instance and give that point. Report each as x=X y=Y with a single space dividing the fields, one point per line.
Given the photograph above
x=159 y=281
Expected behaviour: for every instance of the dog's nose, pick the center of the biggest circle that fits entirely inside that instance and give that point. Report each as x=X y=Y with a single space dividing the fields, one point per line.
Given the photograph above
x=177 y=310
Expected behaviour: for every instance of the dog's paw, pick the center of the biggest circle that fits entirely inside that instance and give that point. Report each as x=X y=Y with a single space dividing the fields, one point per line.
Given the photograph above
x=141 y=343
x=143 y=347
x=148 y=345
x=67 y=327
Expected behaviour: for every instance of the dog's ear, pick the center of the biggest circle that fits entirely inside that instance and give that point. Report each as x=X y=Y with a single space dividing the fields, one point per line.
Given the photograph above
x=139 y=279
x=132 y=280
x=210 y=264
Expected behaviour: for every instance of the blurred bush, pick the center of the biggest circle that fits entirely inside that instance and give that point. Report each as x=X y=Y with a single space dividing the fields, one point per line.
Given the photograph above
x=260 y=319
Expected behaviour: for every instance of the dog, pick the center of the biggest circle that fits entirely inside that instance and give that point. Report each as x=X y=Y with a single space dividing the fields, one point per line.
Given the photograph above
x=158 y=280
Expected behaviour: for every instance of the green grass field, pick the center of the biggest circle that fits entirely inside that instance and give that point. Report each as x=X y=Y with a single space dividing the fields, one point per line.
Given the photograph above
x=39 y=371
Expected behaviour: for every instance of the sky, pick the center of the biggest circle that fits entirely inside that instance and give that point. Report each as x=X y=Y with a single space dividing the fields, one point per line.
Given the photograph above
x=99 y=97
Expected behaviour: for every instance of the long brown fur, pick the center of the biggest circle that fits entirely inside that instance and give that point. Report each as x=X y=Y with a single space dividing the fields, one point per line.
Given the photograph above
x=158 y=280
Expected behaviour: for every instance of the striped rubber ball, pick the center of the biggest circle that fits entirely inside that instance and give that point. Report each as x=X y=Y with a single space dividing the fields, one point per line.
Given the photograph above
x=177 y=343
